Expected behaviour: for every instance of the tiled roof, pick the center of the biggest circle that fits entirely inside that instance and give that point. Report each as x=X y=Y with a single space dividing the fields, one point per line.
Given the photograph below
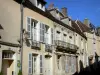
x=47 y=14
x=83 y=27
x=77 y=28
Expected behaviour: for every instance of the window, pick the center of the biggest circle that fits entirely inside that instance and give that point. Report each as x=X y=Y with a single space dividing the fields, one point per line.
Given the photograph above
x=42 y=5
x=41 y=64
x=31 y=28
x=38 y=3
x=73 y=64
x=30 y=64
x=67 y=63
x=70 y=64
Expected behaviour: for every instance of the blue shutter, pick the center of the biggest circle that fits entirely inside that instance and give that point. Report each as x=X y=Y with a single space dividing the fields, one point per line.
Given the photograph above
x=30 y=63
x=41 y=64
x=29 y=27
x=52 y=36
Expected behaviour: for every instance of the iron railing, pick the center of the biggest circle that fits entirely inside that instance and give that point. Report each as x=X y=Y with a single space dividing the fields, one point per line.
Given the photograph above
x=48 y=48
x=65 y=45
x=36 y=44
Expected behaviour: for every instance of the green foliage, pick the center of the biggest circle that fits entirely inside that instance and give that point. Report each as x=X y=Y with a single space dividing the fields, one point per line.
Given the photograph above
x=1 y=73
x=20 y=72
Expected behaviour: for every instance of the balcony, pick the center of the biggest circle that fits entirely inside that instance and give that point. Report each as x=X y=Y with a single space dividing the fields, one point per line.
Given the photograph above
x=48 y=48
x=8 y=55
x=65 y=47
x=36 y=45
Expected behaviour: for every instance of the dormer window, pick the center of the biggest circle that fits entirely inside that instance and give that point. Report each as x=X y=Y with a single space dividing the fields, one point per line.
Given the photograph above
x=57 y=15
x=41 y=4
x=38 y=3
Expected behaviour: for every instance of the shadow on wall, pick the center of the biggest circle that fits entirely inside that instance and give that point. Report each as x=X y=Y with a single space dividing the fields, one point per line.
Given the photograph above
x=92 y=69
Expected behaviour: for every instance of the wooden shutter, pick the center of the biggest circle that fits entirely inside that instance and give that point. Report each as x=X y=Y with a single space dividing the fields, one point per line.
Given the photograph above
x=29 y=27
x=30 y=63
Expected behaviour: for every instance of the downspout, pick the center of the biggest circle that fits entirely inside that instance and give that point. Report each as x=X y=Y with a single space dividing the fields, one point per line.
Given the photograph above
x=21 y=35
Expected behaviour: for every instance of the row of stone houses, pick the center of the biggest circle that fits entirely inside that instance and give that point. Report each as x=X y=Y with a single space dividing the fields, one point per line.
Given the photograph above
x=53 y=43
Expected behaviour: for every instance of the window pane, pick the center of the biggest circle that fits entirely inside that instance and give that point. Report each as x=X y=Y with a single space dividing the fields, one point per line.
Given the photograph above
x=28 y=28
x=30 y=56
x=40 y=63
x=30 y=71
x=41 y=70
x=29 y=34
x=40 y=25
x=40 y=57
x=28 y=20
x=30 y=63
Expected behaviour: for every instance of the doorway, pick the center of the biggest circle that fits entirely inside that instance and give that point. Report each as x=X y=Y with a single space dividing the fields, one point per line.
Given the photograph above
x=7 y=67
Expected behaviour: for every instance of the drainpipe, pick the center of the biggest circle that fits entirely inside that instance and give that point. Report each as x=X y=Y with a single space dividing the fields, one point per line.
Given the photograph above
x=21 y=34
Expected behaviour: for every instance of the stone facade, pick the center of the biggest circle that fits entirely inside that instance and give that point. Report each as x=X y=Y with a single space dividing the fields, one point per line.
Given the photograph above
x=53 y=44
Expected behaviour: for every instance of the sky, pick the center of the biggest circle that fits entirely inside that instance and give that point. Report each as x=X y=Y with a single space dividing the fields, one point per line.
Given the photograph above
x=80 y=9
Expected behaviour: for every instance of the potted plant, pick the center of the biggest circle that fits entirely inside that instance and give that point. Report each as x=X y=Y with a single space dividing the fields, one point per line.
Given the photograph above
x=1 y=73
x=20 y=72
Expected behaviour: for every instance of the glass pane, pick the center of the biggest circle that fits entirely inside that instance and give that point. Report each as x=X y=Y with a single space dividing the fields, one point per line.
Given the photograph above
x=28 y=28
x=29 y=34
x=41 y=70
x=30 y=70
x=40 y=25
x=30 y=63
x=41 y=32
x=40 y=57
x=28 y=20
x=30 y=57
x=40 y=63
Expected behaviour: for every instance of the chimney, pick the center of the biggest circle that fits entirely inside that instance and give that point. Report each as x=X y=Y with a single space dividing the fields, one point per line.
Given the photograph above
x=51 y=6
x=64 y=11
x=86 y=22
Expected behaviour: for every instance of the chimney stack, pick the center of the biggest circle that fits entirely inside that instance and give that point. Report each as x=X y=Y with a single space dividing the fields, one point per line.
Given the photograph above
x=51 y=6
x=64 y=11
x=86 y=22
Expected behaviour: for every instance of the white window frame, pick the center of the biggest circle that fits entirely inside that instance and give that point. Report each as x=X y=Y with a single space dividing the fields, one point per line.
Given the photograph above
x=31 y=32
